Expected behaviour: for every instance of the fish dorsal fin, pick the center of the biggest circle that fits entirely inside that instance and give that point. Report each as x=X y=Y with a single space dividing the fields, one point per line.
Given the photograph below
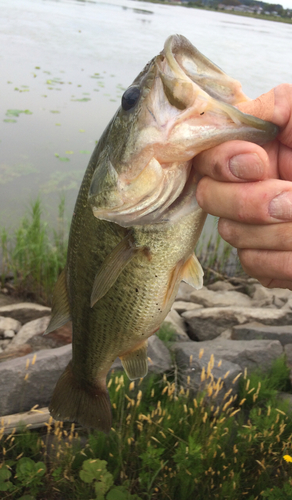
x=135 y=362
x=60 y=308
x=112 y=267
x=193 y=272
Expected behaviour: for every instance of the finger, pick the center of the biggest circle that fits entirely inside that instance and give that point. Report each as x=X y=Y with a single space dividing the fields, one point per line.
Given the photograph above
x=234 y=161
x=269 y=236
x=268 y=266
x=265 y=202
x=274 y=106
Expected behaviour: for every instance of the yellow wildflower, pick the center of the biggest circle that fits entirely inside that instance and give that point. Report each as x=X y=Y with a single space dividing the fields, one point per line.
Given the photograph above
x=287 y=458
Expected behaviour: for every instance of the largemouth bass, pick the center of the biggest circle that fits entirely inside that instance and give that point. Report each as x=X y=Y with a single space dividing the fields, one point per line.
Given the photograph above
x=136 y=221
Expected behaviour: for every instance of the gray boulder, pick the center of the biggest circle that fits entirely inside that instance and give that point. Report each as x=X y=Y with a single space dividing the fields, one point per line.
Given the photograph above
x=271 y=295
x=210 y=298
x=27 y=383
x=221 y=286
x=207 y=324
x=9 y=324
x=30 y=329
x=220 y=374
x=250 y=354
x=258 y=331
x=181 y=306
x=175 y=321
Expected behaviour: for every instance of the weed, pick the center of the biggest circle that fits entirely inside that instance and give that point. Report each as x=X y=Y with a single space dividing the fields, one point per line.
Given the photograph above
x=32 y=256
x=163 y=445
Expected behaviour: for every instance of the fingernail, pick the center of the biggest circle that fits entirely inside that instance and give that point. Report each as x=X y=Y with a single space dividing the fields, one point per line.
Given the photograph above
x=247 y=166
x=281 y=206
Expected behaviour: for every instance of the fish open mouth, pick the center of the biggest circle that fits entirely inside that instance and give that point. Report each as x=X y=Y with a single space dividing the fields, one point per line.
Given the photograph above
x=187 y=107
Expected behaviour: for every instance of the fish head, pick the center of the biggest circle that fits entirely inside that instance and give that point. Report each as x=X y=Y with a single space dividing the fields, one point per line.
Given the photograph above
x=178 y=106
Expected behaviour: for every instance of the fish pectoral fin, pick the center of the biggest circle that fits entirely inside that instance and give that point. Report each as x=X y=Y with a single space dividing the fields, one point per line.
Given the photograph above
x=135 y=362
x=112 y=267
x=193 y=272
x=60 y=308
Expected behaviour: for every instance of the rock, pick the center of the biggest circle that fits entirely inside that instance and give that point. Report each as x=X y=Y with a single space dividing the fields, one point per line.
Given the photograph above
x=258 y=331
x=221 y=286
x=9 y=324
x=8 y=334
x=227 y=334
x=27 y=383
x=207 y=324
x=288 y=304
x=4 y=343
x=31 y=329
x=271 y=294
x=177 y=324
x=250 y=354
x=181 y=306
x=15 y=352
x=24 y=311
x=209 y=298
x=279 y=302
x=183 y=293
x=264 y=303
x=191 y=362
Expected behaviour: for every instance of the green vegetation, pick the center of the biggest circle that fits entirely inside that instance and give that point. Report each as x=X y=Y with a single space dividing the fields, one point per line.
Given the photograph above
x=164 y=444
x=33 y=255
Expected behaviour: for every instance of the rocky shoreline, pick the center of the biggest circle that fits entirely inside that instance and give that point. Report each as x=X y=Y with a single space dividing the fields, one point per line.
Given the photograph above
x=222 y=330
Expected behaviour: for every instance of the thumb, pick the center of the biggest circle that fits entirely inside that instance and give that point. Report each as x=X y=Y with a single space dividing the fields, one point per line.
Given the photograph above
x=262 y=107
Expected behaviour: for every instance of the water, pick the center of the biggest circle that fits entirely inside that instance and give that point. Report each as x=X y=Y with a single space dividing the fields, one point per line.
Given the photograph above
x=67 y=62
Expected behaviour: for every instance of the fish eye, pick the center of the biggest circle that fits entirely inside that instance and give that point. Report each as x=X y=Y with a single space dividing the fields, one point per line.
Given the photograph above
x=130 y=98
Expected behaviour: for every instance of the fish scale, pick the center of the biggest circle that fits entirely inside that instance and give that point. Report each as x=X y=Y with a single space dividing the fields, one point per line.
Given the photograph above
x=136 y=221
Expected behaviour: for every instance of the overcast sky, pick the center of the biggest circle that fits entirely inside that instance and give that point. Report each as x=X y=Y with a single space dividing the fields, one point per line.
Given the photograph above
x=287 y=4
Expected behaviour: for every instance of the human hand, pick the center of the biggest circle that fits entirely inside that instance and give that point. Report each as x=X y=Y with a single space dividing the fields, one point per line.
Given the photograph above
x=255 y=217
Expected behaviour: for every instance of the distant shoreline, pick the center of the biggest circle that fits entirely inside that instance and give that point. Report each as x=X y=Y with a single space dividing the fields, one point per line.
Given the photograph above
x=234 y=13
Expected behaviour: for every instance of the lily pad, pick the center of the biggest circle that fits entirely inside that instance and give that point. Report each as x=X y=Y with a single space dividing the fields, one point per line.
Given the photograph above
x=84 y=152
x=84 y=99
x=17 y=112
x=53 y=111
x=9 y=120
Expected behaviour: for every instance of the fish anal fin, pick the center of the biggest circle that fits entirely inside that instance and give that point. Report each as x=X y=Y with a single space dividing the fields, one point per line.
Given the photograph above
x=135 y=362
x=193 y=272
x=60 y=307
x=83 y=403
x=113 y=265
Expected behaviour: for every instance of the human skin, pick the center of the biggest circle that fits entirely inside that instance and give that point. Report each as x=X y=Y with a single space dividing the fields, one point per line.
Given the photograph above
x=250 y=188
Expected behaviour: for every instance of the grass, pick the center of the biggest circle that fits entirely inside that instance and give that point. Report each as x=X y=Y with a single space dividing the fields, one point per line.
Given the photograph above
x=163 y=445
x=34 y=255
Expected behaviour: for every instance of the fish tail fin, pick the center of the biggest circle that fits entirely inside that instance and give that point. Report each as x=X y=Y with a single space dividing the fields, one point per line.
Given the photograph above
x=83 y=403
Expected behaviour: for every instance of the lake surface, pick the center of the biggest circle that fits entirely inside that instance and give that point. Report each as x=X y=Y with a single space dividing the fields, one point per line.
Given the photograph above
x=67 y=64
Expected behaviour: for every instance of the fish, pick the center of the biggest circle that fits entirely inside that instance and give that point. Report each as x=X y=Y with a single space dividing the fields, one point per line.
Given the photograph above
x=136 y=221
